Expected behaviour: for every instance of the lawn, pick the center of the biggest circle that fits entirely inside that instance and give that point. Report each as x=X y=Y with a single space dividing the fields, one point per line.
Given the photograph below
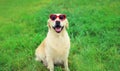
x=94 y=29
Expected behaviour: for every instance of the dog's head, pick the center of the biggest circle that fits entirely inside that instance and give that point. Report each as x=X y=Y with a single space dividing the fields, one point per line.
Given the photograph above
x=57 y=22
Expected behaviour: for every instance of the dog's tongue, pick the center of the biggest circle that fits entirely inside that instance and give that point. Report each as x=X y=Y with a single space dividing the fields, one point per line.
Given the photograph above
x=58 y=29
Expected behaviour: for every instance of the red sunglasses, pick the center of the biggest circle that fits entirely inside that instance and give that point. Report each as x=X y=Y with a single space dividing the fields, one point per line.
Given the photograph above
x=54 y=16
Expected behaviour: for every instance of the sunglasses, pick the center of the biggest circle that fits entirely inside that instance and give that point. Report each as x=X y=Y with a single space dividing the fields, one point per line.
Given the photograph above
x=61 y=17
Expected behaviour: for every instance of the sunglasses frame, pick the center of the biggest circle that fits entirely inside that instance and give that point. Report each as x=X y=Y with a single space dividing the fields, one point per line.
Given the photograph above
x=64 y=16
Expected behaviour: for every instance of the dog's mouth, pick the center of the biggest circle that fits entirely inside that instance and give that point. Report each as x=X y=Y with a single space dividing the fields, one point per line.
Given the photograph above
x=58 y=29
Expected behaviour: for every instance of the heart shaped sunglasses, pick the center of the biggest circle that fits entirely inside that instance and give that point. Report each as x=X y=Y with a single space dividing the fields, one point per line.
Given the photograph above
x=54 y=16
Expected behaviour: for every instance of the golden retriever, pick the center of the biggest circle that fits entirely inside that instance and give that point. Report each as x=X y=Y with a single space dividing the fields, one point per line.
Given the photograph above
x=55 y=47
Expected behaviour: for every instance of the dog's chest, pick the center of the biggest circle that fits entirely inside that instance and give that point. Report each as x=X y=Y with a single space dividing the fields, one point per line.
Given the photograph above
x=59 y=45
x=60 y=42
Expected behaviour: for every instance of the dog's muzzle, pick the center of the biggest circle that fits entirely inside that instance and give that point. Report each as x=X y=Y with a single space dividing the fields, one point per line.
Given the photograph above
x=58 y=28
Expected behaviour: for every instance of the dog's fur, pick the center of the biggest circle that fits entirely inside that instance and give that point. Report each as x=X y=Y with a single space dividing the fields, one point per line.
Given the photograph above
x=55 y=47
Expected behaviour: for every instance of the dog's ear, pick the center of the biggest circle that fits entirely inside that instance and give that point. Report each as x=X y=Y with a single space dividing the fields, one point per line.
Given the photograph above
x=48 y=24
x=67 y=24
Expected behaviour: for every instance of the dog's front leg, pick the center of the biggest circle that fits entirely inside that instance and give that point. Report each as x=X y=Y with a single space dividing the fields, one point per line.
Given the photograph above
x=66 y=65
x=50 y=64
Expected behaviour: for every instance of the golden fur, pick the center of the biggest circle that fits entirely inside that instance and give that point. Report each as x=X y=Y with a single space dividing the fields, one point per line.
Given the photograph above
x=55 y=47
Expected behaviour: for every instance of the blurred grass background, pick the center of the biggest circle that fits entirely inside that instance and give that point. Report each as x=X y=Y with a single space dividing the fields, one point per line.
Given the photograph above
x=94 y=29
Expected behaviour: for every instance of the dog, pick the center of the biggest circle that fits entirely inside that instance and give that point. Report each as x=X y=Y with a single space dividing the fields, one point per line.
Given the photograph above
x=56 y=46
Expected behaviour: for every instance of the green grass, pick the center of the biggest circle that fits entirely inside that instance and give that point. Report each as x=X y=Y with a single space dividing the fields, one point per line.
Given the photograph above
x=94 y=27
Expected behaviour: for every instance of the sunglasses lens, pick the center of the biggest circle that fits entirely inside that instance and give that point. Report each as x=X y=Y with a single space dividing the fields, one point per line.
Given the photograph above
x=53 y=17
x=62 y=17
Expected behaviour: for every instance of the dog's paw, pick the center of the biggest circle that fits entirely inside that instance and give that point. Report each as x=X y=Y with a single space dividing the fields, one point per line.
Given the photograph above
x=50 y=68
x=67 y=69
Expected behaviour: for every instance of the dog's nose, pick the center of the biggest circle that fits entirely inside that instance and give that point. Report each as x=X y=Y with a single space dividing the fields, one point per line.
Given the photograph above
x=57 y=22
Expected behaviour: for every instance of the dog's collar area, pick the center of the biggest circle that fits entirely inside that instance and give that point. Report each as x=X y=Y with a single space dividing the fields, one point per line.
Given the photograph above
x=58 y=29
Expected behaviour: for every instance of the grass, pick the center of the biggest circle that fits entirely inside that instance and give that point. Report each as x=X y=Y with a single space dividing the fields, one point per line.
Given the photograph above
x=93 y=28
